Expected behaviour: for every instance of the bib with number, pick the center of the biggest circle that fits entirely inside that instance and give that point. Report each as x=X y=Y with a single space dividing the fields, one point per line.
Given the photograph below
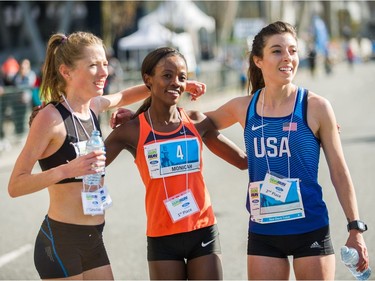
x=172 y=157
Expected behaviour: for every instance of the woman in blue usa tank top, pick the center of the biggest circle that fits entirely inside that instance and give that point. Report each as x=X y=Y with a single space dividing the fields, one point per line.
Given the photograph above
x=285 y=127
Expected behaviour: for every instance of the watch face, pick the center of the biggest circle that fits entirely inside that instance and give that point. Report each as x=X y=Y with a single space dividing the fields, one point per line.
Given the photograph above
x=361 y=225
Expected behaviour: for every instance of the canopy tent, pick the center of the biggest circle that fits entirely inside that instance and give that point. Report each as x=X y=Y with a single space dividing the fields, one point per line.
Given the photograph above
x=149 y=37
x=134 y=48
x=186 y=16
x=180 y=14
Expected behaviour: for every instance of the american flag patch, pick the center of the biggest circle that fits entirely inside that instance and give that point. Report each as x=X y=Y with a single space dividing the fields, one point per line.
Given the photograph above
x=292 y=126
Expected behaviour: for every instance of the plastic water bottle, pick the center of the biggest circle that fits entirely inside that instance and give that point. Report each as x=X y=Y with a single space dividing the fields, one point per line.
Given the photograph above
x=349 y=256
x=94 y=143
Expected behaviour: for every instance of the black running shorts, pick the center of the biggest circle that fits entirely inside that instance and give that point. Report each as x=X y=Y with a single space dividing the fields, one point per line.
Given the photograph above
x=187 y=245
x=63 y=250
x=314 y=243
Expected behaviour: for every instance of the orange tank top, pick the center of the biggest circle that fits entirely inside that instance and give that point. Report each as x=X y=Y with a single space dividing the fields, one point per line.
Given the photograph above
x=172 y=178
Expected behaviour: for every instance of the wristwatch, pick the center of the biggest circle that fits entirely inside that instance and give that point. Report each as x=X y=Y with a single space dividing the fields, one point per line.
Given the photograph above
x=357 y=224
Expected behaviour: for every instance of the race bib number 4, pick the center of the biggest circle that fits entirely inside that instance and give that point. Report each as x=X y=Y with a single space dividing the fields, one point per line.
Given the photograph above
x=173 y=157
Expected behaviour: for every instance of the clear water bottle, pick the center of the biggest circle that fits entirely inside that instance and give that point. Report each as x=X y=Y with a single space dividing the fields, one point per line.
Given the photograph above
x=94 y=143
x=349 y=256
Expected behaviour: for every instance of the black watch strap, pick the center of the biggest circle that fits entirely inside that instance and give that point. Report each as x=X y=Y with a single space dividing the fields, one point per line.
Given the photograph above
x=358 y=225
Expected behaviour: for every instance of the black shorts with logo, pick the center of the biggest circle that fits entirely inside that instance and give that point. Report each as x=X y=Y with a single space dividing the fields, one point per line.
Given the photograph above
x=314 y=243
x=187 y=245
x=63 y=250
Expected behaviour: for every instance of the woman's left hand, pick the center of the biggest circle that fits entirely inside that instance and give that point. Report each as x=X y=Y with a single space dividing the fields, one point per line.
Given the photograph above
x=357 y=242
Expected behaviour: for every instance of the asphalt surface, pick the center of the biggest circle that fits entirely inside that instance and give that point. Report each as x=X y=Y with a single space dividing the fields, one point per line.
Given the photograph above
x=351 y=93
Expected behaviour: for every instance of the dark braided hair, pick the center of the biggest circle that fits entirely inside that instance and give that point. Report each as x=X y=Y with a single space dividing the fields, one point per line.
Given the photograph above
x=148 y=67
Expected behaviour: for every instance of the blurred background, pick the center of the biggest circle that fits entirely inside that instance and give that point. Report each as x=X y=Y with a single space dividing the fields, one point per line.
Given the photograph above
x=215 y=37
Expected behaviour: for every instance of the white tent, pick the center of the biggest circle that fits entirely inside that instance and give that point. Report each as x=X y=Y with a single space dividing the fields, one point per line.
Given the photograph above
x=185 y=15
x=182 y=14
x=151 y=37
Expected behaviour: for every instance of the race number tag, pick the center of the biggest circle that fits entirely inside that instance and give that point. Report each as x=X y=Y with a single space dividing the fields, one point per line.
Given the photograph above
x=275 y=187
x=92 y=203
x=95 y=202
x=181 y=205
x=267 y=209
x=174 y=157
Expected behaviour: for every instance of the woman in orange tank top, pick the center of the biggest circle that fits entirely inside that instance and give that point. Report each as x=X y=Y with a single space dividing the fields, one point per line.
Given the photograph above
x=166 y=142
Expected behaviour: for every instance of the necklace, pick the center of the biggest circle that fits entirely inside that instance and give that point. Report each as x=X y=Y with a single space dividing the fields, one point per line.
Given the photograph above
x=290 y=126
x=79 y=121
x=186 y=147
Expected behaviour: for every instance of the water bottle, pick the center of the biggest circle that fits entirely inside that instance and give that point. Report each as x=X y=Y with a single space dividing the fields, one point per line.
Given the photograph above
x=349 y=256
x=94 y=143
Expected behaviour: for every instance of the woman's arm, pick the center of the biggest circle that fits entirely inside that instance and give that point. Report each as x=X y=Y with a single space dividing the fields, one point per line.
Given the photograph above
x=217 y=142
x=137 y=93
x=124 y=136
x=45 y=136
x=322 y=120
x=125 y=97
x=230 y=113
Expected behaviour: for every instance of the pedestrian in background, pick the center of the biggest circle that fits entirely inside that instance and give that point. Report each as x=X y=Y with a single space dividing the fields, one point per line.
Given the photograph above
x=3 y=144
x=349 y=54
x=284 y=128
x=24 y=82
x=166 y=142
x=35 y=100
x=9 y=69
x=311 y=58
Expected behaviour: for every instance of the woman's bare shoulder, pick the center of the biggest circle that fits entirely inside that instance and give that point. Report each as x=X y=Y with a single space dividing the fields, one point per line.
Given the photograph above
x=317 y=102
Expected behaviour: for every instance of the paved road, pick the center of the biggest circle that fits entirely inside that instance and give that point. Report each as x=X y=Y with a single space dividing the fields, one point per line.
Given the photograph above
x=351 y=94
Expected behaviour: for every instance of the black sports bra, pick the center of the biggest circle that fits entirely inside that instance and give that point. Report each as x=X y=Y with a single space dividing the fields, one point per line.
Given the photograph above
x=67 y=151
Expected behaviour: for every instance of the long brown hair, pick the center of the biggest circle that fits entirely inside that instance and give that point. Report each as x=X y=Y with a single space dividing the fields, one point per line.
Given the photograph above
x=62 y=49
x=255 y=75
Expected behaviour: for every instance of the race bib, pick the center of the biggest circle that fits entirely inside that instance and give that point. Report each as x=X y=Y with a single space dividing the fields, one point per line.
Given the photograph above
x=275 y=187
x=174 y=157
x=95 y=202
x=181 y=205
x=267 y=209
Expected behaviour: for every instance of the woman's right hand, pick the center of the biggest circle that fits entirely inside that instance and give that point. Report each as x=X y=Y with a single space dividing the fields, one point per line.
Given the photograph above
x=88 y=164
x=120 y=116
x=195 y=88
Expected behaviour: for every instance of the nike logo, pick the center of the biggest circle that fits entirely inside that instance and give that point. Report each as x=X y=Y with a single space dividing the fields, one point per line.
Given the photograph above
x=208 y=243
x=254 y=128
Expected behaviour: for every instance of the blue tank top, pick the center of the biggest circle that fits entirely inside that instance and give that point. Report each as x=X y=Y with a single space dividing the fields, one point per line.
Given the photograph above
x=303 y=147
